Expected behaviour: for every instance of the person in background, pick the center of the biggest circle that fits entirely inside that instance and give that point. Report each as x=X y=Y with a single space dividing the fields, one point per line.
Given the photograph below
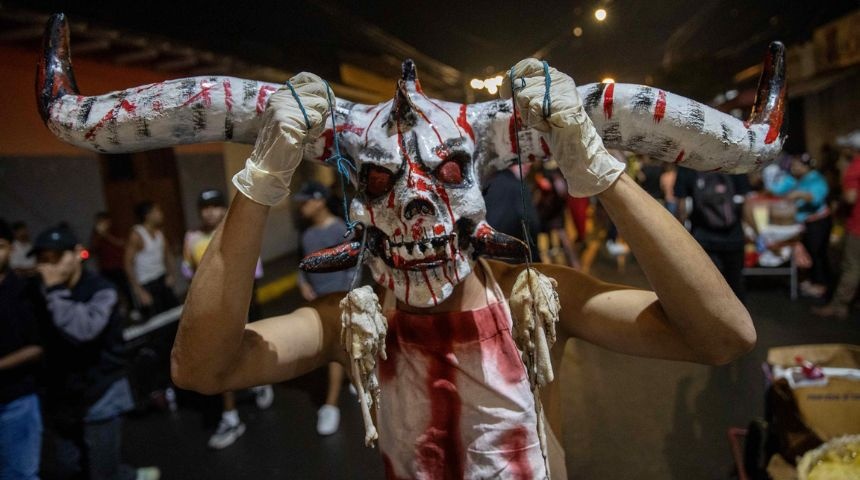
x=505 y=205
x=20 y=350
x=109 y=250
x=211 y=207
x=808 y=189
x=715 y=219
x=325 y=230
x=551 y=201
x=667 y=185
x=21 y=245
x=846 y=289
x=87 y=389
x=148 y=261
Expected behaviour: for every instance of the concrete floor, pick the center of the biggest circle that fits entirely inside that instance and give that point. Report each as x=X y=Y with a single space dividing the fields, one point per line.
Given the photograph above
x=625 y=418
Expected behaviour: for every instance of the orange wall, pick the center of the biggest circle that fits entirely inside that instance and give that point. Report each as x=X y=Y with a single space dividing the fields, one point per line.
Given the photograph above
x=22 y=132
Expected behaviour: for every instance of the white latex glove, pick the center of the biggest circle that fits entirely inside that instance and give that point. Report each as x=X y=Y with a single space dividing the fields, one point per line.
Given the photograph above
x=588 y=168
x=278 y=150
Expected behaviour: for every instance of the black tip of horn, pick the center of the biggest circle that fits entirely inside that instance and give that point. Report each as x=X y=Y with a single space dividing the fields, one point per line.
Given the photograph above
x=54 y=75
x=769 y=106
x=408 y=72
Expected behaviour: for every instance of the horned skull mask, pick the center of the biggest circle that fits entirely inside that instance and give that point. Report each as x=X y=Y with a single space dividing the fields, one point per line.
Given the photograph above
x=419 y=161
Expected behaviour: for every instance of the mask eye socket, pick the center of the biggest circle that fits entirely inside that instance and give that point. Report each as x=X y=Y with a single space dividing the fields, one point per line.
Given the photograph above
x=377 y=181
x=453 y=170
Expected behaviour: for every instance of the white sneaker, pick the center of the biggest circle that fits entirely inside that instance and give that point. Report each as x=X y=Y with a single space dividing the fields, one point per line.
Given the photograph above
x=148 y=473
x=328 y=419
x=264 y=396
x=352 y=390
x=617 y=248
x=226 y=434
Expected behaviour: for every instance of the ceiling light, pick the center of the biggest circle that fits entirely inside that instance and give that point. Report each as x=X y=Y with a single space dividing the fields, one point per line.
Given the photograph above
x=476 y=84
x=577 y=31
x=608 y=80
x=600 y=14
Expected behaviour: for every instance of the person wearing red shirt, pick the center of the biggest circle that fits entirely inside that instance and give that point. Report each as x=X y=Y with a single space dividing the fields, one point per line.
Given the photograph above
x=847 y=287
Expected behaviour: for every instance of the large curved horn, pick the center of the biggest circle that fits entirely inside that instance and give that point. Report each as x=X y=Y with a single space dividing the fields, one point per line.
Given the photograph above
x=184 y=111
x=666 y=126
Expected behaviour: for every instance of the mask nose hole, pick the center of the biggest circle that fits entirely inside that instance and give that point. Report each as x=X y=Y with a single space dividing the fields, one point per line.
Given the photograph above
x=418 y=207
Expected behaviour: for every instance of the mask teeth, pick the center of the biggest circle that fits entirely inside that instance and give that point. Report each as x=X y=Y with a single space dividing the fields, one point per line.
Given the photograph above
x=439 y=247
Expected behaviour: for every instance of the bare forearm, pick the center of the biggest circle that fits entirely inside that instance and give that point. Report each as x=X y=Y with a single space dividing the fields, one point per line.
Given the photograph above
x=692 y=292
x=210 y=334
x=20 y=357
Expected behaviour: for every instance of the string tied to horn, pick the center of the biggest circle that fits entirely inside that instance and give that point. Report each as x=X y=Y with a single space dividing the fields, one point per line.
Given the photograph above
x=344 y=165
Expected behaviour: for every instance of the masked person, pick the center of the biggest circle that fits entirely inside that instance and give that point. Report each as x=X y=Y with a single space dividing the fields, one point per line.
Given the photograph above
x=87 y=388
x=212 y=206
x=455 y=399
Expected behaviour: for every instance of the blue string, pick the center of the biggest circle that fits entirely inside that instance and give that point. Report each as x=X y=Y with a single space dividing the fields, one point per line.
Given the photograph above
x=547 y=110
x=301 y=107
x=344 y=165
x=547 y=83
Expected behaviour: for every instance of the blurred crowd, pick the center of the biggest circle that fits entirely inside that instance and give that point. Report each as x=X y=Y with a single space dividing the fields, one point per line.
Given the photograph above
x=65 y=303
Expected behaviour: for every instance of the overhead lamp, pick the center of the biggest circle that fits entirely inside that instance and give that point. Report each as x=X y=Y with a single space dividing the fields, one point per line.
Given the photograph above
x=577 y=31
x=608 y=80
x=600 y=14
x=476 y=83
x=491 y=84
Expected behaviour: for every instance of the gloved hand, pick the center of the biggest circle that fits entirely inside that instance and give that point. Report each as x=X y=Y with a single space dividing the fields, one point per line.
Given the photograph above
x=588 y=168
x=278 y=150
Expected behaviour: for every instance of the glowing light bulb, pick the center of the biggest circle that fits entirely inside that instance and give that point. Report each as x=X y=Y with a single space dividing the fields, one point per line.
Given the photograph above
x=608 y=80
x=577 y=32
x=600 y=14
x=492 y=88
x=477 y=84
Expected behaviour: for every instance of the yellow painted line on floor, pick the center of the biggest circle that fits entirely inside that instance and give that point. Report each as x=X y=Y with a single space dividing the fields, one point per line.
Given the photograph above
x=274 y=289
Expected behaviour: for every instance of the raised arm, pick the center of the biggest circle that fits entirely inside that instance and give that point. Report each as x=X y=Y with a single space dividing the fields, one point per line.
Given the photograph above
x=692 y=313
x=215 y=350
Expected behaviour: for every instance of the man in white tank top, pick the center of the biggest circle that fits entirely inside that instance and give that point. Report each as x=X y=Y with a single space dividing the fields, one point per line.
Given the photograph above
x=148 y=261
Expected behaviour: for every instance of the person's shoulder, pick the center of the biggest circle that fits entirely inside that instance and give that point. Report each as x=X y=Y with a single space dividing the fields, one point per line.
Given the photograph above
x=94 y=282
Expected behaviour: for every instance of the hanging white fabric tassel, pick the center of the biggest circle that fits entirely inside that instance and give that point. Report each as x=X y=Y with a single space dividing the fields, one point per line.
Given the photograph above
x=363 y=330
x=535 y=306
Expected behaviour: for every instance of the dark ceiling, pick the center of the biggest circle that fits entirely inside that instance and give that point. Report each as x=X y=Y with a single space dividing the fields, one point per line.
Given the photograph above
x=691 y=47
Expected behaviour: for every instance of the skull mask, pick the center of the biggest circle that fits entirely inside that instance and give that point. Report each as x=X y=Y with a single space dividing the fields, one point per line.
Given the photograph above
x=419 y=192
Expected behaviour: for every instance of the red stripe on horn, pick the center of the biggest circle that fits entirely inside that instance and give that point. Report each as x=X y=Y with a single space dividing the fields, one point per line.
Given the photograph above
x=660 y=107
x=775 y=119
x=607 y=100
x=263 y=96
x=680 y=157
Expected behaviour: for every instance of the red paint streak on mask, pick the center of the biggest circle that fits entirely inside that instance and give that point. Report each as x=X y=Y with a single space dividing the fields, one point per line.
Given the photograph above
x=328 y=143
x=660 y=107
x=398 y=232
x=438 y=229
x=442 y=150
x=463 y=122
x=372 y=121
x=391 y=283
x=417 y=230
x=607 y=100
x=443 y=194
x=513 y=446
x=110 y=115
x=430 y=287
x=263 y=96
x=228 y=95
x=391 y=199
x=418 y=87
x=679 y=158
x=370 y=210
x=406 y=277
x=203 y=95
x=445 y=272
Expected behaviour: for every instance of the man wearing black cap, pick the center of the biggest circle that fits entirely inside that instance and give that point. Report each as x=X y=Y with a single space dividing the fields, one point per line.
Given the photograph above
x=326 y=229
x=20 y=419
x=87 y=389
x=212 y=207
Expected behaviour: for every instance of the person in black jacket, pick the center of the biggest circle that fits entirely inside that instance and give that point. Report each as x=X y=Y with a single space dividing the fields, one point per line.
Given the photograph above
x=87 y=388
x=20 y=418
